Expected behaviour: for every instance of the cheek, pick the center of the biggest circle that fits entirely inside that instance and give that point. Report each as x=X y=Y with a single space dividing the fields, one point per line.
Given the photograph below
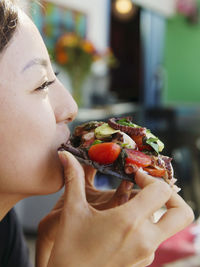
x=29 y=125
x=28 y=174
x=28 y=151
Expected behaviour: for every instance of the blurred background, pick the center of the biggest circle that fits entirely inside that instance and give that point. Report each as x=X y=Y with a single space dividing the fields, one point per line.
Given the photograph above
x=128 y=57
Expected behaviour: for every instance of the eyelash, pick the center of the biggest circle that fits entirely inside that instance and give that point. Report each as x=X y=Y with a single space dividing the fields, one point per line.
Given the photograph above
x=47 y=83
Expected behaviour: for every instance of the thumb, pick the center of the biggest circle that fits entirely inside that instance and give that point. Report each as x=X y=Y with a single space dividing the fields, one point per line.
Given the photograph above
x=74 y=179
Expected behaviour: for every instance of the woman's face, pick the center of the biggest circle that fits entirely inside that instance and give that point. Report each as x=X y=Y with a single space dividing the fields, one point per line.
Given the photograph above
x=33 y=117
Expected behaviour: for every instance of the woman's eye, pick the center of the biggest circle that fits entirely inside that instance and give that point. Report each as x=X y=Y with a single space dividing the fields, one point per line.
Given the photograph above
x=45 y=85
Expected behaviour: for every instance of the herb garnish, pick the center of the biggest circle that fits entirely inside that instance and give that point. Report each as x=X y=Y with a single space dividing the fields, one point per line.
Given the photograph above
x=125 y=122
x=96 y=142
x=153 y=143
x=125 y=145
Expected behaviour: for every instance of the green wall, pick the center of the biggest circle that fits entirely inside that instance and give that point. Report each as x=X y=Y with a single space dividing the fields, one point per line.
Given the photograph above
x=182 y=61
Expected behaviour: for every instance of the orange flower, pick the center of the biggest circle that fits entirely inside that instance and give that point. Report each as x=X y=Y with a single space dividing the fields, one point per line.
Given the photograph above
x=68 y=40
x=62 y=57
x=88 y=47
x=71 y=49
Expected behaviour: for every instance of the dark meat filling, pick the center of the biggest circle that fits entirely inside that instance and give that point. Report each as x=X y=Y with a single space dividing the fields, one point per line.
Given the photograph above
x=113 y=122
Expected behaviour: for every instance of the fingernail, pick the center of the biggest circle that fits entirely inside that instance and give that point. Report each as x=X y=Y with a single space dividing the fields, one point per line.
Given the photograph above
x=123 y=199
x=128 y=185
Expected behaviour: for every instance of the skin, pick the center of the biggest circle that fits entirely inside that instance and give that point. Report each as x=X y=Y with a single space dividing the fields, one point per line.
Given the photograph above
x=123 y=233
x=87 y=227
x=33 y=122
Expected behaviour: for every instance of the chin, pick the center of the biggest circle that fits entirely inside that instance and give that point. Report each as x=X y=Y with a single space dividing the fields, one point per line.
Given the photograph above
x=51 y=179
x=55 y=188
x=54 y=183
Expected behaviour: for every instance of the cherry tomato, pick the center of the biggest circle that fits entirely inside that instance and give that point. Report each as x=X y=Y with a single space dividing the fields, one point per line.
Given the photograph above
x=155 y=172
x=138 y=158
x=104 y=153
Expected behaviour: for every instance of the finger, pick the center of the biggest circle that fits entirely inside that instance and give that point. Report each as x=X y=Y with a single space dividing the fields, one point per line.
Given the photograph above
x=95 y=195
x=134 y=193
x=119 y=197
x=153 y=196
x=104 y=203
x=48 y=226
x=74 y=179
x=143 y=179
x=145 y=262
x=47 y=231
x=90 y=173
x=59 y=203
x=122 y=194
x=177 y=211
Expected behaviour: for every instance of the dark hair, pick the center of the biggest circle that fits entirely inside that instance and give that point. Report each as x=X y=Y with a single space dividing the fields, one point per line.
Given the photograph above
x=8 y=22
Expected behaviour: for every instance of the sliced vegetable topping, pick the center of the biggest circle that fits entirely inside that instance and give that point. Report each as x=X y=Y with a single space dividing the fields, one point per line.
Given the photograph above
x=104 y=131
x=127 y=141
x=138 y=158
x=104 y=153
x=155 y=172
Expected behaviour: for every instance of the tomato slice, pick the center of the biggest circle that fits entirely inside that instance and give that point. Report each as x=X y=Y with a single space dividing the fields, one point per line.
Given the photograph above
x=138 y=158
x=104 y=153
x=155 y=172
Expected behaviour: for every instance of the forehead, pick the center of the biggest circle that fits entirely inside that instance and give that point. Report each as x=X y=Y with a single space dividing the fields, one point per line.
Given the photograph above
x=25 y=45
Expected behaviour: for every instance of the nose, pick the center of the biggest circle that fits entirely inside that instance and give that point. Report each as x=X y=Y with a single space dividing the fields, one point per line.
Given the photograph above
x=64 y=106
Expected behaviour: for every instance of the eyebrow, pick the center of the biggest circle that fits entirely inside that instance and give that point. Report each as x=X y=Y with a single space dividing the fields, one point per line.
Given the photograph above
x=36 y=61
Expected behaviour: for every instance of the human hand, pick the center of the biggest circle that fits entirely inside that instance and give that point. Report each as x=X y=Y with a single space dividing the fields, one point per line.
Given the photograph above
x=96 y=198
x=105 y=199
x=120 y=236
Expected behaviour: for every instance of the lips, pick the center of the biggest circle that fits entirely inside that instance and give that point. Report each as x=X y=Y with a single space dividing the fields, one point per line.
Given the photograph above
x=63 y=134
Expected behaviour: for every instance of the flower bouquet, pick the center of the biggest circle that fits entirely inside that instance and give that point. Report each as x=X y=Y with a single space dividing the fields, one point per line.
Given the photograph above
x=76 y=55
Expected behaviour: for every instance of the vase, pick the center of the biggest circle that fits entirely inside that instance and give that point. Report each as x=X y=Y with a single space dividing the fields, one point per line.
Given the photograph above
x=77 y=77
x=77 y=92
x=81 y=89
